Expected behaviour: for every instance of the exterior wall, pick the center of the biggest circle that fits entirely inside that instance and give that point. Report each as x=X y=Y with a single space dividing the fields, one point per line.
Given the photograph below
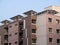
x=41 y=30
x=12 y=30
x=27 y=31
x=2 y=35
x=54 y=26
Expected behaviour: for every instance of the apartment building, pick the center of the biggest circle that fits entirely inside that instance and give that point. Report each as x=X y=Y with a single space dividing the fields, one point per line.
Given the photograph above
x=41 y=28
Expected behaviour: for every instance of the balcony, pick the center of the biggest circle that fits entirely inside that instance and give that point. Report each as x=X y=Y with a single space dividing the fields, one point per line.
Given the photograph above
x=5 y=43
x=21 y=27
x=21 y=43
x=21 y=31
x=21 y=35
x=33 y=41
x=6 y=31
x=6 y=38
x=33 y=21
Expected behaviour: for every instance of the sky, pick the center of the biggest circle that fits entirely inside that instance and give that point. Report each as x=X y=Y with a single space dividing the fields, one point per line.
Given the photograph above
x=10 y=8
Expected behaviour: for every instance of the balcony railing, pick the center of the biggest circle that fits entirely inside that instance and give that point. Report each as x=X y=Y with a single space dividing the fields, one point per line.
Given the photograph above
x=6 y=31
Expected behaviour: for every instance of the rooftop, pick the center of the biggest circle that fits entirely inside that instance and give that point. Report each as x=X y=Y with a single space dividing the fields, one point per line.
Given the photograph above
x=16 y=17
x=5 y=21
x=30 y=12
x=48 y=11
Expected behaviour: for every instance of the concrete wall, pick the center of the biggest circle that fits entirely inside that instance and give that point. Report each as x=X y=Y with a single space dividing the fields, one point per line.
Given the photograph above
x=14 y=29
x=41 y=30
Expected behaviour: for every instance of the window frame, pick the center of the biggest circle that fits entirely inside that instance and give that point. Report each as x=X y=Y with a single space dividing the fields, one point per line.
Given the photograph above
x=58 y=40
x=33 y=30
x=50 y=30
x=50 y=20
x=33 y=40
x=58 y=31
x=51 y=40
x=34 y=21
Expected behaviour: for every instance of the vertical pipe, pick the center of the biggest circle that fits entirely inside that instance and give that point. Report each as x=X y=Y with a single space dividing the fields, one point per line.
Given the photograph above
x=25 y=31
x=24 y=24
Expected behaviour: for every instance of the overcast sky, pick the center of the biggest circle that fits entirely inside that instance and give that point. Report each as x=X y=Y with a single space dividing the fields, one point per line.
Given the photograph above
x=10 y=8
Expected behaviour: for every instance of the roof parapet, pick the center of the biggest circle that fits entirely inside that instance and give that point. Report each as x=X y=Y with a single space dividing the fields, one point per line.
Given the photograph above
x=5 y=21
x=48 y=11
x=30 y=12
x=16 y=17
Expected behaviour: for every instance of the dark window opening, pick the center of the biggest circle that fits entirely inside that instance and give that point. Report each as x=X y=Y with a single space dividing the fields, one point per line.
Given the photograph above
x=10 y=26
x=33 y=30
x=33 y=40
x=50 y=29
x=5 y=43
x=15 y=24
x=16 y=42
x=21 y=25
x=58 y=21
x=6 y=37
x=58 y=30
x=50 y=39
x=34 y=21
x=58 y=40
x=21 y=43
x=15 y=33
x=49 y=19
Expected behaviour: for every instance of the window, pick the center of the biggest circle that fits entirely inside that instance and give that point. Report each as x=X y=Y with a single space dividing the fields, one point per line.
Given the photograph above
x=5 y=43
x=15 y=33
x=58 y=40
x=33 y=30
x=33 y=40
x=10 y=26
x=33 y=20
x=50 y=30
x=58 y=31
x=15 y=24
x=16 y=42
x=5 y=36
x=9 y=43
x=50 y=39
x=57 y=21
x=49 y=19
